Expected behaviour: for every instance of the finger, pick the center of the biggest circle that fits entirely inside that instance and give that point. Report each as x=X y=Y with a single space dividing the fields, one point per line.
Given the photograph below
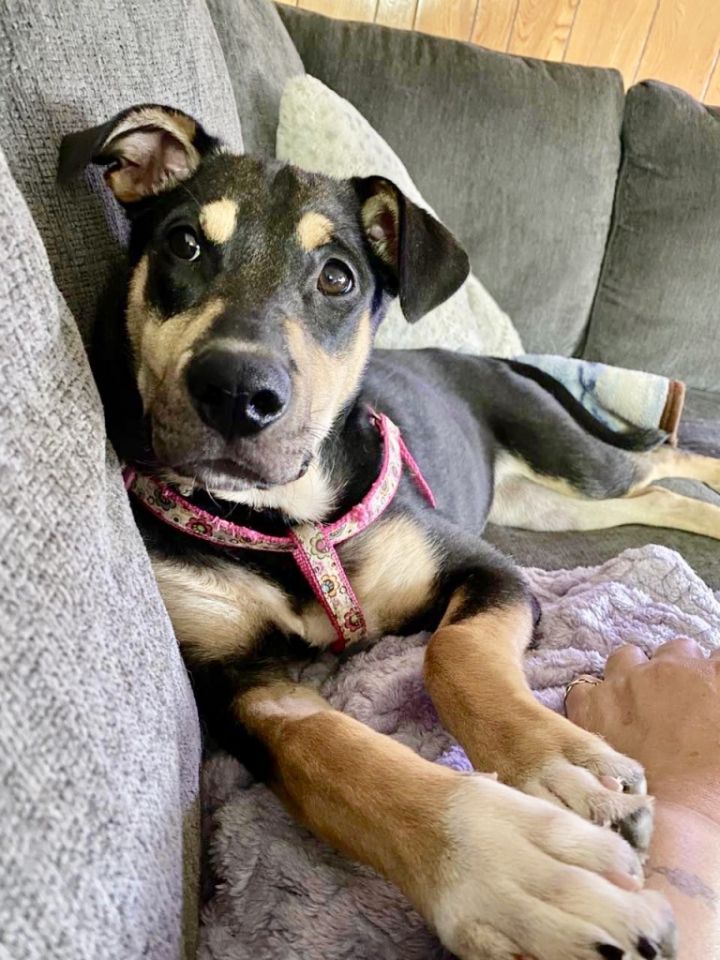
x=577 y=703
x=680 y=648
x=622 y=660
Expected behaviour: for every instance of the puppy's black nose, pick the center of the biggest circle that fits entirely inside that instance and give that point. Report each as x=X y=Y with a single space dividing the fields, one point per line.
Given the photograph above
x=238 y=393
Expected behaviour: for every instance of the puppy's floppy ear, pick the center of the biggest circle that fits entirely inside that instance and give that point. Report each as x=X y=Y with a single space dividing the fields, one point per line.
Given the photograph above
x=425 y=263
x=146 y=149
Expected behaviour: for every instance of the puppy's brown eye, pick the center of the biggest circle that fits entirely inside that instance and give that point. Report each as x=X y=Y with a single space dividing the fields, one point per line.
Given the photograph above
x=335 y=279
x=183 y=243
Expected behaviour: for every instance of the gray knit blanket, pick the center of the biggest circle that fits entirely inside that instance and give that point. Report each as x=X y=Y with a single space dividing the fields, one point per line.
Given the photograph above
x=277 y=893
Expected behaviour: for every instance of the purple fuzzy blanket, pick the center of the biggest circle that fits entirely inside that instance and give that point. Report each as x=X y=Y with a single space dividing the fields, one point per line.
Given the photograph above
x=277 y=893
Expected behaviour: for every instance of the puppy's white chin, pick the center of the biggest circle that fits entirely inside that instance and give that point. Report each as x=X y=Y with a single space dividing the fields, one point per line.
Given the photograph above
x=310 y=497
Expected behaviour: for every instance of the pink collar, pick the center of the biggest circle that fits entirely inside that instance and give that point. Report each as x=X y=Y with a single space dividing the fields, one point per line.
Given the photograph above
x=311 y=544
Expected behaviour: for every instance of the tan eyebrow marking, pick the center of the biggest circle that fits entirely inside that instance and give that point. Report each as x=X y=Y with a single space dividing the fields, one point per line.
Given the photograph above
x=218 y=220
x=313 y=230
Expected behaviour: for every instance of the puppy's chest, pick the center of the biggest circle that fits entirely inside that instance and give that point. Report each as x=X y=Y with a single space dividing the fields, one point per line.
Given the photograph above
x=225 y=609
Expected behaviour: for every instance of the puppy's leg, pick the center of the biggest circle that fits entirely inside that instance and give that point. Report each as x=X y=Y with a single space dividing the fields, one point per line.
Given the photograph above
x=496 y=873
x=474 y=673
x=666 y=463
x=523 y=503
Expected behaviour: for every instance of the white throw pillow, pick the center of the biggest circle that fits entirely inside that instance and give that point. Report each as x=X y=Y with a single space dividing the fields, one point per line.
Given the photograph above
x=322 y=132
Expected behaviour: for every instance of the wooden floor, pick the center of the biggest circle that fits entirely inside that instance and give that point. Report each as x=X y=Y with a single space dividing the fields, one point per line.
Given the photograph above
x=677 y=41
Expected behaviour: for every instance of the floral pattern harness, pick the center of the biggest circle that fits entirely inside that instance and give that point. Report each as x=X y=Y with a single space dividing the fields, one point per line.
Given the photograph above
x=312 y=545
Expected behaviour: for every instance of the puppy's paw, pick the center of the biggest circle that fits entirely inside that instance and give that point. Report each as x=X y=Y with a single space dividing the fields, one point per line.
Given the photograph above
x=603 y=786
x=521 y=877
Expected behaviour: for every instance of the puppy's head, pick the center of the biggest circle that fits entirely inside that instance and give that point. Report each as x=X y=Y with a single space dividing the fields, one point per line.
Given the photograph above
x=254 y=292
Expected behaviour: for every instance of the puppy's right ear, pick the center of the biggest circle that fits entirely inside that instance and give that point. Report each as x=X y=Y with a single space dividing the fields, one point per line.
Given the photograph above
x=146 y=149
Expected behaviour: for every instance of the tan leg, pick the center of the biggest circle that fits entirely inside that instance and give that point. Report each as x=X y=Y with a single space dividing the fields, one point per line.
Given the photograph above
x=369 y=796
x=496 y=873
x=474 y=673
x=666 y=463
x=524 y=504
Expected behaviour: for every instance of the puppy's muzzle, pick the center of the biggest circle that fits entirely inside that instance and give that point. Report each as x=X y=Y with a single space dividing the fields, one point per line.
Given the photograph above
x=238 y=394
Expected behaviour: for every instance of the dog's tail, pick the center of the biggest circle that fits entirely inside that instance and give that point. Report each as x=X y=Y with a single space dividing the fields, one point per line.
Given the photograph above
x=636 y=438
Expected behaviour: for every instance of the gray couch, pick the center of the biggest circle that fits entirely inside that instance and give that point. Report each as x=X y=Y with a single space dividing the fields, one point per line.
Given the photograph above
x=594 y=219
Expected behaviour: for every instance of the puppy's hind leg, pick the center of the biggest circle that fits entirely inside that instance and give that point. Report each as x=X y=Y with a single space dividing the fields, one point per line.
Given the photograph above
x=520 y=502
x=668 y=463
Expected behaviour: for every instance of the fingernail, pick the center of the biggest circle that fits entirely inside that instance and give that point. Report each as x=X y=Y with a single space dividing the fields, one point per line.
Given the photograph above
x=623 y=880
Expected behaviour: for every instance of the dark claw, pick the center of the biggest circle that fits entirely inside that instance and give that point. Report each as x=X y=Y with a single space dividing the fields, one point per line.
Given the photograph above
x=636 y=828
x=638 y=785
x=609 y=952
x=646 y=949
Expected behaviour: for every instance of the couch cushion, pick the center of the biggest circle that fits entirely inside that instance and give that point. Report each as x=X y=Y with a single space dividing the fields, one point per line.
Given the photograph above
x=519 y=156
x=99 y=740
x=322 y=132
x=68 y=66
x=260 y=58
x=658 y=303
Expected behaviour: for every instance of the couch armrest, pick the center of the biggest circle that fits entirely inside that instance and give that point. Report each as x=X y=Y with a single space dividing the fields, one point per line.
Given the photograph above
x=99 y=742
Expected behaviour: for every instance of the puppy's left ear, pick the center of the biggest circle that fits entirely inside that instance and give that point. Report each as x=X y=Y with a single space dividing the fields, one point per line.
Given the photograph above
x=146 y=149
x=425 y=263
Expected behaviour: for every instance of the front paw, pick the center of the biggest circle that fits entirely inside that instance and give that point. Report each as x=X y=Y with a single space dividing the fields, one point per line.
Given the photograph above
x=587 y=776
x=520 y=877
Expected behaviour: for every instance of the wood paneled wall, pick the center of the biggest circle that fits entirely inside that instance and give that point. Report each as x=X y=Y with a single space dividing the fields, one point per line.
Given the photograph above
x=673 y=40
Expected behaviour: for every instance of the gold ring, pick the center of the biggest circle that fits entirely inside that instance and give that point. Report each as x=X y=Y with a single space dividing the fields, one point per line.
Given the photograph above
x=583 y=678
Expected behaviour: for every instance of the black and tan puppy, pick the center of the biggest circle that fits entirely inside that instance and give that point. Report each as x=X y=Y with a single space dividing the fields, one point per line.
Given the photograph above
x=236 y=365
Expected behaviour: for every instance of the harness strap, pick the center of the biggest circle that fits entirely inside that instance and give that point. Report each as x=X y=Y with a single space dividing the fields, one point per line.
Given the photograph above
x=312 y=545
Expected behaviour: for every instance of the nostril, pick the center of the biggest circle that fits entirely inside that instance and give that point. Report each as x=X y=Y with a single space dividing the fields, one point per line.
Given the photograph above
x=238 y=394
x=266 y=403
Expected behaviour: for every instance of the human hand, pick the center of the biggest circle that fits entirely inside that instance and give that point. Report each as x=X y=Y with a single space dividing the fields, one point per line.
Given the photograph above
x=664 y=712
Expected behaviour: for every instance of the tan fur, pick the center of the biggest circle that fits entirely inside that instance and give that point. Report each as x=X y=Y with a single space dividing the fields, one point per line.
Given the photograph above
x=367 y=795
x=473 y=672
x=325 y=382
x=219 y=219
x=314 y=230
x=528 y=506
x=278 y=699
x=179 y=124
x=221 y=610
x=161 y=346
x=395 y=565
x=374 y=213
x=668 y=462
x=236 y=345
x=530 y=501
